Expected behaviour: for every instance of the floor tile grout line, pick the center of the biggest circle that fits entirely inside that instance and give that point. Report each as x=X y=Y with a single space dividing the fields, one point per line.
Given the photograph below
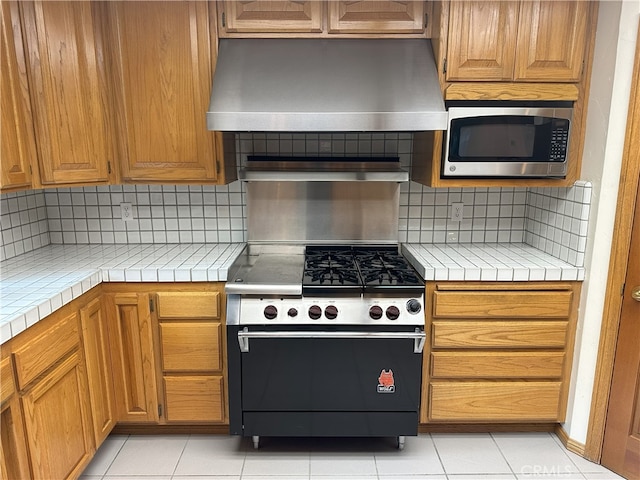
x=503 y=455
x=180 y=456
x=106 y=472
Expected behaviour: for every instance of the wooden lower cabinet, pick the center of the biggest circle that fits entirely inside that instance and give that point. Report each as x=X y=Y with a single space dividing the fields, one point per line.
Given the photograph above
x=54 y=394
x=168 y=356
x=14 y=462
x=498 y=352
x=95 y=338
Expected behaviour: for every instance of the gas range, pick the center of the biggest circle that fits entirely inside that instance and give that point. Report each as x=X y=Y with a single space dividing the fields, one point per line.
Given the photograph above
x=340 y=285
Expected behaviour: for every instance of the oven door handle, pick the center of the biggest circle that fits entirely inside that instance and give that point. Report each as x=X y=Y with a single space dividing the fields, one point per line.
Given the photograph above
x=418 y=336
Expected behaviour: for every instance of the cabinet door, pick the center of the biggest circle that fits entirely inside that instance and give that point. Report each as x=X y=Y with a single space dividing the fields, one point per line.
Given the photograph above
x=551 y=41
x=194 y=398
x=68 y=91
x=388 y=16
x=17 y=145
x=13 y=453
x=482 y=40
x=56 y=414
x=164 y=68
x=134 y=367
x=263 y=16
x=96 y=352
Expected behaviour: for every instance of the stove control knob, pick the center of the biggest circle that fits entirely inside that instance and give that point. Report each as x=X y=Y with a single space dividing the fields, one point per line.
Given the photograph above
x=414 y=306
x=331 y=312
x=393 y=312
x=315 y=312
x=270 y=312
x=375 y=312
x=292 y=312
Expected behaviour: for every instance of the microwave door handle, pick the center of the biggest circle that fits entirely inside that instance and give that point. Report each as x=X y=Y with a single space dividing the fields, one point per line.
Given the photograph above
x=418 y=336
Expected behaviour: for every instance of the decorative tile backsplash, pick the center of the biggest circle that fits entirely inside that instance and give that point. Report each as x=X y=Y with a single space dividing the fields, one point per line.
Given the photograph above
x=553 y=220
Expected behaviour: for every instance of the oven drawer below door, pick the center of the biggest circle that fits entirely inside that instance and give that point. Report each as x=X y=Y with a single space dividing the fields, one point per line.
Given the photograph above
x=330 y=424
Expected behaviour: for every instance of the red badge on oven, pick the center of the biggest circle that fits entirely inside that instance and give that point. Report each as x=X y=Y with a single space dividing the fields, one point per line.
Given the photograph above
x=386 y=383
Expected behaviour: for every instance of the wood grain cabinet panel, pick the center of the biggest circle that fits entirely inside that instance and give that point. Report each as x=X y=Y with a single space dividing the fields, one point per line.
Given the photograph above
x=500 y=352
x=190 y=346
x=376 y=16
x=164 y=60
x=551 y=41
x=482 y=364
x=194 y=398
x=495 y=401
x=17 y=144
x=502 y=334
x=14 y=462
x=69 y=91
x=481 y=40
x=95 y=340
x=262 y=16
x=188 y=305
x=57 y=422
x=33 y=358
x=132 y=356
x=526 y=41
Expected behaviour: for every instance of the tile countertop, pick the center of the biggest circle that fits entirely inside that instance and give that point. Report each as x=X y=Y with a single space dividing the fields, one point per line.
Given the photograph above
x=37 y=283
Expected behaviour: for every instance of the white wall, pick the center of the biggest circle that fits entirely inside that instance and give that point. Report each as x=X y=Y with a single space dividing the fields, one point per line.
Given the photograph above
x=604 y=142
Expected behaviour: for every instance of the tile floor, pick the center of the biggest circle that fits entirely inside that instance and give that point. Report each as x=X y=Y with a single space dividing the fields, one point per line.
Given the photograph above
x=496 y=456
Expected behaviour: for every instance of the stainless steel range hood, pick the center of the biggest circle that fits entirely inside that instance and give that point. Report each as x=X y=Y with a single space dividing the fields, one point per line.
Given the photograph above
x=325 y=85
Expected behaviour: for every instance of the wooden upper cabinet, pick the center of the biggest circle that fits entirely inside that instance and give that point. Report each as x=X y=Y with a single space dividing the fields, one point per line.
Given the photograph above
x=376 y=17
x=482 y=38
x=17 y=145
x=163 y=72
x=68 y=91
x=551 y=41
x=529 y=41
x=258 y=16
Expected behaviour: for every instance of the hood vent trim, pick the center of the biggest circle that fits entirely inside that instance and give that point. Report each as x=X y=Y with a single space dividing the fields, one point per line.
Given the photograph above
x=326 y=85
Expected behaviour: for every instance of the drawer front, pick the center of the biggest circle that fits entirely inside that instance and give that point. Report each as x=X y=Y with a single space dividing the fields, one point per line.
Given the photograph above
x=37 y=355
x=502 y=304
x=6 y=380
x=196 y=398
x=190 y=346
x=188 y=305
x=497 y=364
x=494 y=401
x=498 y=334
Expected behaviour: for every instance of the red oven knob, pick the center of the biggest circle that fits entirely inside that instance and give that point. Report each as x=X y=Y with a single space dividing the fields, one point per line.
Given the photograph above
x=393 y=313
x=375 y=312
x=270 y=312
x=292 y=312
x=315 y=312
x=331 y=312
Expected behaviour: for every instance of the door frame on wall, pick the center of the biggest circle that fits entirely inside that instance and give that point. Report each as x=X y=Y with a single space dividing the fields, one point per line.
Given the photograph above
x=621 y=243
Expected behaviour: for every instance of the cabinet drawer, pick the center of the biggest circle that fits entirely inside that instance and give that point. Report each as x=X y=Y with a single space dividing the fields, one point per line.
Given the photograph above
x=497 y=364
x=497 y=334
x=6 y=380
x=494 y=401
x=188 y=305
x=502 y=304
x=196 y=398
x=37 y=355
x=190 y=346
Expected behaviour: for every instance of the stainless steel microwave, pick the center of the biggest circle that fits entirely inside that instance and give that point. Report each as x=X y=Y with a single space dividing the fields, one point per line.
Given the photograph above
x=496 y=141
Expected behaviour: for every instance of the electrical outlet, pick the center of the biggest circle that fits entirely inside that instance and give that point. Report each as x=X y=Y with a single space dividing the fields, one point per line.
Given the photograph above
x=126 y=212
x=457 y=210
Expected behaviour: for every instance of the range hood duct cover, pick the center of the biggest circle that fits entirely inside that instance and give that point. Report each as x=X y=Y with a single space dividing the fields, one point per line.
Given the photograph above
x=326 y=85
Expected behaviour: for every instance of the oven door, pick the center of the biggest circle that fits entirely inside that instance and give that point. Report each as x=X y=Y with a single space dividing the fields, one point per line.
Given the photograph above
x=323 y=381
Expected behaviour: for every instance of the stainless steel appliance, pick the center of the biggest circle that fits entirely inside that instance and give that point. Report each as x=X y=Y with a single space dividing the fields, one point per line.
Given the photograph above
x=325 y=85
x=508 y=141
x=324 y=340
